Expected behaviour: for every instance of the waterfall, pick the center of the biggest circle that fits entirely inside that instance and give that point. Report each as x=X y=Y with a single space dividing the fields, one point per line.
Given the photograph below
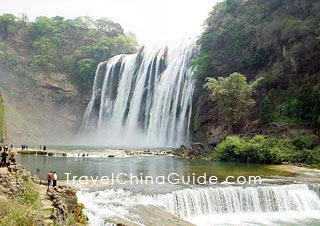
x=207 y=205
x=142 y=99
x=195 y=202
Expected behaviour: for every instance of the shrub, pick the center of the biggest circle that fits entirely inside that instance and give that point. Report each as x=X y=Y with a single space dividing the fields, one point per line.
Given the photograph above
x=258 y=149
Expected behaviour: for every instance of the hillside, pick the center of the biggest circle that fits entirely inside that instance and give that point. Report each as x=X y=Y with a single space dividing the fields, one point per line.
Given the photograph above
x=275 y=42
x=47 y=69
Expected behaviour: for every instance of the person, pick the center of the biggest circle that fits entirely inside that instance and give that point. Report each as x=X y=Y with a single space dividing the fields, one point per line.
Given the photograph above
x=4 y=158
x=49 y=178
x=55 y=178
x=44 y=148
x=12 y=160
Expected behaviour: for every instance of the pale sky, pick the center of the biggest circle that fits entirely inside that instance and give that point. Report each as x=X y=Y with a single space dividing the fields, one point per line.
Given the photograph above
x=153 y=21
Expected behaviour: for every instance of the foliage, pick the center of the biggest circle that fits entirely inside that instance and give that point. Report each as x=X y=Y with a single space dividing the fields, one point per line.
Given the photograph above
x=277 y=40
x=261 y=149
x=21 y=209
x=71 y=46
x=14 y=214
x=266 y=113
x=234 y=98
x=29 y=195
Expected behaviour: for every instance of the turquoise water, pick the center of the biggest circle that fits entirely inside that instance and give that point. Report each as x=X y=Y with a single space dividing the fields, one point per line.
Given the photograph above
x=147 y=165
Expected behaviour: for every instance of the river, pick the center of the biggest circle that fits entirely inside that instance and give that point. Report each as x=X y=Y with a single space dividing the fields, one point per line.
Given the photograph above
x=280 y=199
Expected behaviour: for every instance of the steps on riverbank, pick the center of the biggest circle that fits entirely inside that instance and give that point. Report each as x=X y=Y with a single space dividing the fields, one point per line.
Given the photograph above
x=46 y=205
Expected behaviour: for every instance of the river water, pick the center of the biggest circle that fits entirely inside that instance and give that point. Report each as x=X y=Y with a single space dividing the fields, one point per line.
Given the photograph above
x=281 y=198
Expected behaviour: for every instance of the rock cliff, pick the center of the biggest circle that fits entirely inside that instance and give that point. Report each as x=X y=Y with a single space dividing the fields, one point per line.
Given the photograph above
x=41 y=108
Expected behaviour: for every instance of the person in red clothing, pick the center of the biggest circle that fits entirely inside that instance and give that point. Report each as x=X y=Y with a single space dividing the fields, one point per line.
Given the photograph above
x=12 y=160
x=49 y=178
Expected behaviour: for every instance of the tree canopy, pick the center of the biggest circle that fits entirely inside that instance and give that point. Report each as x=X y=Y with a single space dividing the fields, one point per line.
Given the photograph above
x=234 y=98
x=71 y=46
x=277 y=40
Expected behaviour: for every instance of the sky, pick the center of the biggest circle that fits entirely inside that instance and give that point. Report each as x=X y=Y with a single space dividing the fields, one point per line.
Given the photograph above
x=152 y=21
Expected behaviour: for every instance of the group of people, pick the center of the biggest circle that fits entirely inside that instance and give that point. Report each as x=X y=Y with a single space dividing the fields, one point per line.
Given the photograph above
x=4 y=155
x=52 y=179
x=24 y=147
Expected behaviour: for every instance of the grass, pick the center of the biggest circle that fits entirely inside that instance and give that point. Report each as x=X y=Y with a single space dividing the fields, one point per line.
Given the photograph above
x=14 y=214
x=29 y=195
x=22 y=208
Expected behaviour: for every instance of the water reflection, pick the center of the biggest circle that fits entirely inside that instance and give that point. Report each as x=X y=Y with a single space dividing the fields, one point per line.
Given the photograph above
x=135 y=165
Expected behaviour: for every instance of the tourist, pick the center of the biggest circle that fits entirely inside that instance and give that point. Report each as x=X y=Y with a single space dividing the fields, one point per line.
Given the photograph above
x=55 y=178
x=49 y=178
x=44 y=148
x=12 y=160
x=4 y=158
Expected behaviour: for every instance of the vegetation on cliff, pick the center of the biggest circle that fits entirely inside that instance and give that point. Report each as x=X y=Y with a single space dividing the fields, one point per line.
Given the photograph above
x=275 y=40
x=234 y=98
x=276 y=43
x=2 y=121
x=264 y=149
x=59 y=45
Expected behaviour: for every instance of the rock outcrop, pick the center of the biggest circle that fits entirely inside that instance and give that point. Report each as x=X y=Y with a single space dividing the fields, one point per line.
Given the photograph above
x=57 y=206
x=43 y=108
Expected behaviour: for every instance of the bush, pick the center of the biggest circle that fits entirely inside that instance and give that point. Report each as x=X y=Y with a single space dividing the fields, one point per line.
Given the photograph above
x=305 y=142
x=258 y=149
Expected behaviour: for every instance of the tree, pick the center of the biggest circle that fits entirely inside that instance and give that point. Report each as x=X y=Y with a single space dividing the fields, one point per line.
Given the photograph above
x=7 y=25
x=43 y=26
x=234 y=98
x=85 y=73
x=109 y=27
x=266 y=114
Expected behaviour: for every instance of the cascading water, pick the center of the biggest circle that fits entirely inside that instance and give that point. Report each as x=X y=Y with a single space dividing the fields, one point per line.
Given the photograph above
x=211 y=206
x=195 y=202
x=142 y=99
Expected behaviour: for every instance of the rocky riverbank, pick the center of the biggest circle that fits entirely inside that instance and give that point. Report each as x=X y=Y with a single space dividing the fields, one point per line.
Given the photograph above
x=25 y=200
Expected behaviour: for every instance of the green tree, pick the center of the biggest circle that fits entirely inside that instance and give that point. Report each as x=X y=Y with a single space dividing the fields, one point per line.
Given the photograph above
x=234 y=98
x=7 y=25
x=305 y=105
x=85 y=73
x=43 y=26
x=266 y=114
